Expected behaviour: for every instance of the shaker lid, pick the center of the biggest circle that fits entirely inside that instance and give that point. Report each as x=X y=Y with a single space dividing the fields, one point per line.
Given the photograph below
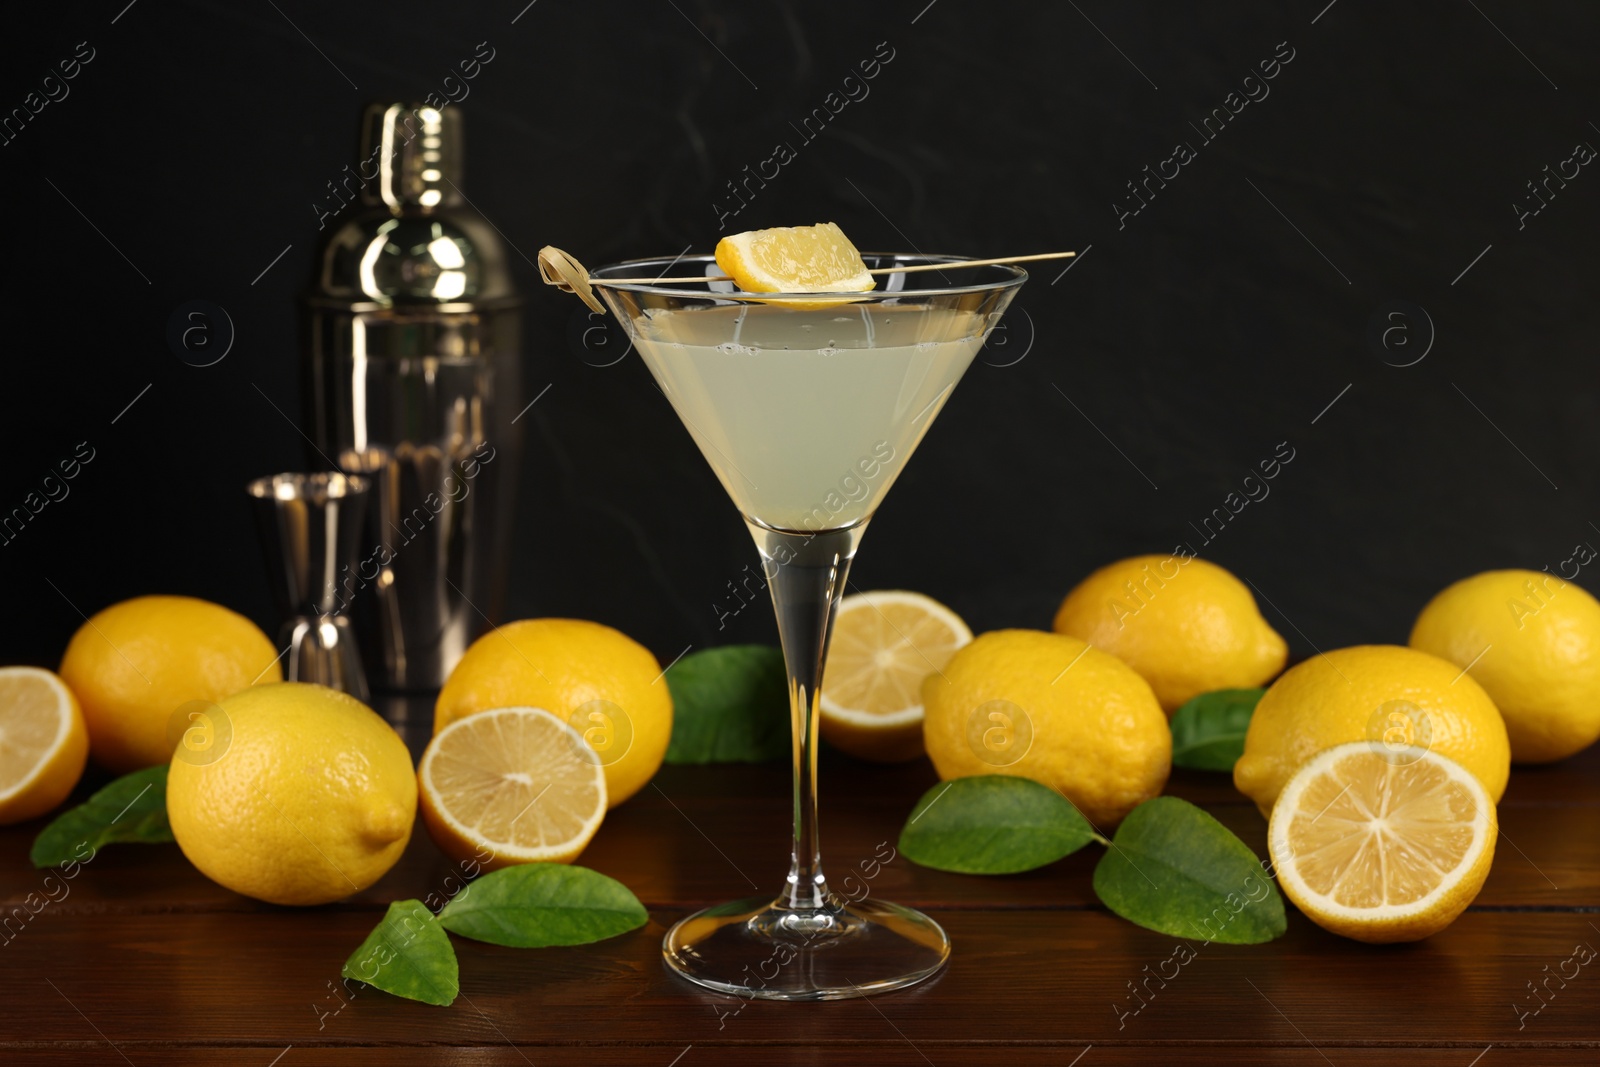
x=416 y=151
x=417 y=241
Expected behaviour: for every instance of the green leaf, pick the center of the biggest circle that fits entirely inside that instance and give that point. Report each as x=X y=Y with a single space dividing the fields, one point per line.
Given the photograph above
x=409 y=955
x=535 y=905
x=1175 y=869
x=992 y=824
x=729 y=705
x=1208 y=732
x=131 y=809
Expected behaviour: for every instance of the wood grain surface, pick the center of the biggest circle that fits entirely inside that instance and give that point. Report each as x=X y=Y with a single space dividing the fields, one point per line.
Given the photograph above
x=144 y=961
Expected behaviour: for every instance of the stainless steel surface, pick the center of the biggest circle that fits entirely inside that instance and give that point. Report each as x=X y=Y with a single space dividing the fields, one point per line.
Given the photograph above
x=310 y=526
x=413 y=379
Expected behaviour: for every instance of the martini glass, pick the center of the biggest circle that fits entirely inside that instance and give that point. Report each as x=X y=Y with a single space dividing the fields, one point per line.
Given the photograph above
x=807 y=409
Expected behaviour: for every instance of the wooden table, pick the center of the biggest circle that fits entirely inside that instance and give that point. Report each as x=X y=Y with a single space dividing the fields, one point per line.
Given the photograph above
x=144 y=961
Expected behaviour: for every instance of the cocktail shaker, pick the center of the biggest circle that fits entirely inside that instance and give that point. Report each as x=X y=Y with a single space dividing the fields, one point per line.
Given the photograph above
x=412 y=380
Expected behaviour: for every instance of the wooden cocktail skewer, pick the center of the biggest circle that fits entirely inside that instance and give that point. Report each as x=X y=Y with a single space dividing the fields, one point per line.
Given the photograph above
x=951 y=265
x=561 y=270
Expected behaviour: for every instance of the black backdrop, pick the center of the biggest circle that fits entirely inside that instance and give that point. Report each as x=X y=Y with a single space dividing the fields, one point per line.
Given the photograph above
x=1303 y=253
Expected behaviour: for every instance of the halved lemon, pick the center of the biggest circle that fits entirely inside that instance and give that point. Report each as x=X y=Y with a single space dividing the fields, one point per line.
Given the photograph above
x=43 y=742
x=884 y=645
x=1382 y=843
x=794 y=259
x=511 y=785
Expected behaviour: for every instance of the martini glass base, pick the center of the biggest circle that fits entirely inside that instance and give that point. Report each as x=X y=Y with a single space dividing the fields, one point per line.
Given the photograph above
x=758 y=948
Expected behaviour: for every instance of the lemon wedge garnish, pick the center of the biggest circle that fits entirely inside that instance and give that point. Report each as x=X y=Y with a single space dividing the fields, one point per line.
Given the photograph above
x=794 y=259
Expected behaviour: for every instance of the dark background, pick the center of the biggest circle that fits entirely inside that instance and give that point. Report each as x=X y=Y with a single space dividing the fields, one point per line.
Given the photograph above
x=1129 y=397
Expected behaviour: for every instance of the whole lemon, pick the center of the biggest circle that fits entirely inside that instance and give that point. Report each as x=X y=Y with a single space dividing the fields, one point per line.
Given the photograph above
x=133 y=665
x=1371 y=692
x=1188 y=626
x=605 y=684
x=292 y=794
x=1051 y=708
x=1533 y=642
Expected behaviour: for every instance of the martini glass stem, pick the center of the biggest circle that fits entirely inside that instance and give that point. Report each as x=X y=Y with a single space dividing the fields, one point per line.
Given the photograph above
x=806 y=574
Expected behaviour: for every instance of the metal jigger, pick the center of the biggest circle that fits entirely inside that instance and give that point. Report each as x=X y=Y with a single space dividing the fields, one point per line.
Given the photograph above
x=310 y=525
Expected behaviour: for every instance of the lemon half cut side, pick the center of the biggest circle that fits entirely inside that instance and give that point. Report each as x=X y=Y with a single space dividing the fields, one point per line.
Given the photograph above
x=1382 y=843
x=43 y=743
x=884 y=645
x=511 y=785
